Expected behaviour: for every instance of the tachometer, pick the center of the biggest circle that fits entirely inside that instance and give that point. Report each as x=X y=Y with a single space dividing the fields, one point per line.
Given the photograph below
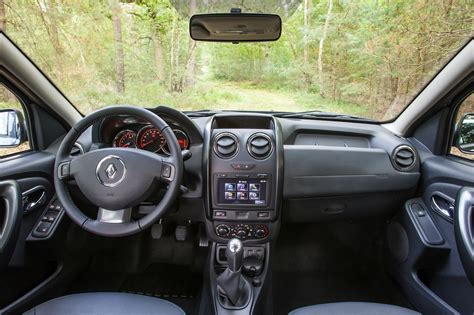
x=183 y=141
x=150 y=139
x=126 y=139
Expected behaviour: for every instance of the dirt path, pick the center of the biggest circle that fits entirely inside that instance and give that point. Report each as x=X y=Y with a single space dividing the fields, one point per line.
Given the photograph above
x=257 y=99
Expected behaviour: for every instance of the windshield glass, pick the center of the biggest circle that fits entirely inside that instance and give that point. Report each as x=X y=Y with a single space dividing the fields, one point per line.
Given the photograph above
x=364 y=58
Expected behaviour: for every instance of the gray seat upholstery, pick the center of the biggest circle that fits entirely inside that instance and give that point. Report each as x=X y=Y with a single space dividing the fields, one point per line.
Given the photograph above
x=105 y=303
x=353 y=308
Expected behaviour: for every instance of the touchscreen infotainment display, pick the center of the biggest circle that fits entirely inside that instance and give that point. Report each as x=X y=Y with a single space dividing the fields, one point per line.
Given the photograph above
x=250 y=191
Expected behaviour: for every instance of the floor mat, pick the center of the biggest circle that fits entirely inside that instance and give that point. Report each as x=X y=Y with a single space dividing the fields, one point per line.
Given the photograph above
x=176 y=284
x=332 y=262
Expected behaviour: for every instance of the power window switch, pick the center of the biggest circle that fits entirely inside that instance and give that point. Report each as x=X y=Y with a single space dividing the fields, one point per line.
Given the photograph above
x=418 y=210
x=42 y=230
x=50 y=216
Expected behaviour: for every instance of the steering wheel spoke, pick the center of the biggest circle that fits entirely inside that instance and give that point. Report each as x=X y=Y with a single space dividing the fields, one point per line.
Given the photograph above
x=114 y=216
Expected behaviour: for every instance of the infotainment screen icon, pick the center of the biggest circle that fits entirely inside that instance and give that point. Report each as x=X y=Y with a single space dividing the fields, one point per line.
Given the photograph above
x=242 y=195
x=254 y=187
x=229 y=195
x=229 y=187
x=254 y=196
x=242 y=186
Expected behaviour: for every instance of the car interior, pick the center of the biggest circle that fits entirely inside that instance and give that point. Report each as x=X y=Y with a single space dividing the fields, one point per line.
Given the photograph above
x=132 y=210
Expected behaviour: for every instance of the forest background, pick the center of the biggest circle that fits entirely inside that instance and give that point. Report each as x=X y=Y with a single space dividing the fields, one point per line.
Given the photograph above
x=365 y=58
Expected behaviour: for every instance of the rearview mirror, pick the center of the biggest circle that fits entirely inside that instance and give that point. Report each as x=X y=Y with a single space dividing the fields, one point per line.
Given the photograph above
x=465 y=134
x=12 y=130
x=235 y=27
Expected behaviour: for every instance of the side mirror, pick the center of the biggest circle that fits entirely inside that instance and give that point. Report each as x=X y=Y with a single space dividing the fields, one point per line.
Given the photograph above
x=464 y=136
x=12 y=128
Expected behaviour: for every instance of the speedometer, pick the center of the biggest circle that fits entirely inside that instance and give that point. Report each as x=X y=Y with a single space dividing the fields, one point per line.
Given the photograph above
x=126 y=139
x=183 y=141
x=150 y=139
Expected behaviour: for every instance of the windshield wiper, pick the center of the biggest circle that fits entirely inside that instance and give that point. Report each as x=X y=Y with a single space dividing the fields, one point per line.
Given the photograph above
x=315 y=114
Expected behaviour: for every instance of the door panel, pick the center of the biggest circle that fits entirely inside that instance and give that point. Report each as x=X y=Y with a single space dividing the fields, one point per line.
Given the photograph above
x=434 y=273
x=31 y=171
x=33 y=174
x=29 y=216
x=28 y=165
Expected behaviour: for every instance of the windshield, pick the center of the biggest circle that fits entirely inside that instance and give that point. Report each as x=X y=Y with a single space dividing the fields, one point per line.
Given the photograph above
x=363 y=58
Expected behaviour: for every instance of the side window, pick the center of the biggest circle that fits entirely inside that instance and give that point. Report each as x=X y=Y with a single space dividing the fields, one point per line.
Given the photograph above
x=13 y=134
x=463 y=145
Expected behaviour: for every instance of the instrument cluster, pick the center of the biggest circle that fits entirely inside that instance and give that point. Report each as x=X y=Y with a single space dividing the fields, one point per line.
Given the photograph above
x=149 y=138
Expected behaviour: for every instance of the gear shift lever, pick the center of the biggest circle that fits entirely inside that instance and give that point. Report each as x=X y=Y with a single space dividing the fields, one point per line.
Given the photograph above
x=234 y=254
x=233 y=289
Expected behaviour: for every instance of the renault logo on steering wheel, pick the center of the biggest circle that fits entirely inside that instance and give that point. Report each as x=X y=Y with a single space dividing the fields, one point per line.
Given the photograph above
x=111 y=171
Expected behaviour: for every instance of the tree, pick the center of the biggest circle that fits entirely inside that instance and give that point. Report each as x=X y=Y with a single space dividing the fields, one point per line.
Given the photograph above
x=48 y=15
x=321 y=46
x=158 y=15
x=191 y=65
x=159 y=55
x=175 y=78
x=119 y=55
x=306 y=18
x=3 y=17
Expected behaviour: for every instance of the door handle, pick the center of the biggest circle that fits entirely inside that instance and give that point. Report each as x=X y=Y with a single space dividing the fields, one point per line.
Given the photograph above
x=443 y=205
x=464 y=229
x=33 y=198
x=10 y=194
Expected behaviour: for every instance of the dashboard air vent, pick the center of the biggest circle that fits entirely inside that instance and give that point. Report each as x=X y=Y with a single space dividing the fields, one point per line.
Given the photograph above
x=226 y=145
x=403 y=158
x=260 y=146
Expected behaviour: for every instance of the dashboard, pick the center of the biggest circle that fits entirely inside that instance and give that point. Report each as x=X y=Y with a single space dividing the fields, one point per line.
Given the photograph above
x=245 y=173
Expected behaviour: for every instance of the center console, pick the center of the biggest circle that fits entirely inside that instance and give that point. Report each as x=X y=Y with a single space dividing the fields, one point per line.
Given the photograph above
x=243 y=167
x=243 y=172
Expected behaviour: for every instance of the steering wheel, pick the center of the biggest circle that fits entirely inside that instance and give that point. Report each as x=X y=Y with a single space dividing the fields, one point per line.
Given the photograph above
x=117 y=179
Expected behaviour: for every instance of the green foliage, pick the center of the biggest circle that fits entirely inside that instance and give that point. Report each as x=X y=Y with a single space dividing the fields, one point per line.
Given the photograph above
x=377 y=54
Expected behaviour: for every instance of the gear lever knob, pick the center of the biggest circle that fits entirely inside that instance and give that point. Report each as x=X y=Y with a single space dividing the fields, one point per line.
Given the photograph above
x=234 y=254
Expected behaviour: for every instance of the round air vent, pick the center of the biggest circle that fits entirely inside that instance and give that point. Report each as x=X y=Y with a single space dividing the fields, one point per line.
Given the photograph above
x=259 y=146
x=403 y=158
x=226 y=145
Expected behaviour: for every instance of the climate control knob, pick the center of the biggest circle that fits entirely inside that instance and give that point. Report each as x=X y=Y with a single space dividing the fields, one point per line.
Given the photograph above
x=222 y=230
x=241 y=233
x=261 y=231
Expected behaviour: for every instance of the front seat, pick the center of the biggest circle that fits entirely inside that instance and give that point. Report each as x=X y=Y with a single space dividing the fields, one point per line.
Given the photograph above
x=104 y=303
x=353 y=308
